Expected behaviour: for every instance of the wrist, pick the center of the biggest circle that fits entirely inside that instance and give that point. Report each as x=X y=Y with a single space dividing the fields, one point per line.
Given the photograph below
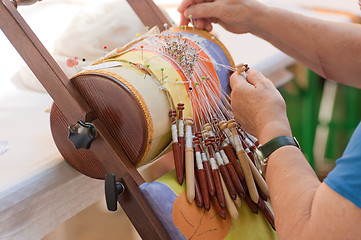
x=274 y=129
x=258 y=17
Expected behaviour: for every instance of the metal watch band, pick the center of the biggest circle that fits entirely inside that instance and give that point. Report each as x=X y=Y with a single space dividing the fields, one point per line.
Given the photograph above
x=268 y=148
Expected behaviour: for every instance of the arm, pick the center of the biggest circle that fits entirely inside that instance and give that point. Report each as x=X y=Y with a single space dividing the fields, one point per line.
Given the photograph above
x=304 y=208
x=333 y=50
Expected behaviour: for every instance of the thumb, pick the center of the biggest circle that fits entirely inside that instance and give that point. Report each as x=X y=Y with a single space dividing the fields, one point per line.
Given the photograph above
x=255 y=78
x=238 y=81
x=202 y=10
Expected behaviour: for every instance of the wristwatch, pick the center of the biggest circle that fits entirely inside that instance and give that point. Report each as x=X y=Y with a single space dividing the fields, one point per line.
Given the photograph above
x=268 y=148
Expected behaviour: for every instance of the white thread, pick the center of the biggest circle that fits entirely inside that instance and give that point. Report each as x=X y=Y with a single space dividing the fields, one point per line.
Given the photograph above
x=199 y=160
x=219 y=159
x=213 y=163
x=188 y=136
x=174 y=133
x=204 y=156
x=181 y=128
x=237 y=144
x=248 y=142
x=224 y=157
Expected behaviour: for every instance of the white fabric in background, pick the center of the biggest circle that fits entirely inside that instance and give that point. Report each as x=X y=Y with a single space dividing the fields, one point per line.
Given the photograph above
x=38 y=189
x=85 y=28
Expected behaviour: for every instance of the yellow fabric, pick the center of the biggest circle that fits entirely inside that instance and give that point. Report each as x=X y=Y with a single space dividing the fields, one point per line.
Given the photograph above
x=169 y=75
x=249 y=226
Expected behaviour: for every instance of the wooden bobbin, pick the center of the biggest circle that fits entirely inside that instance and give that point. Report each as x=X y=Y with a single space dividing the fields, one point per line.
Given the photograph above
x=198 y=193
x=210 y=180
x=181 y=140
x=223 y=126
x=207 y=127
x=244 y=160
x=242 y=68
x=201 y=175
x=221 y=212
x=231 y=207
x=176 y=148
x=189 y=165
x=223 y=169
x=267 y=213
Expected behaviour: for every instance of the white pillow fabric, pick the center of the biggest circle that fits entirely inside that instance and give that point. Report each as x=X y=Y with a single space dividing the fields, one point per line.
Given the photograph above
x=110 y=23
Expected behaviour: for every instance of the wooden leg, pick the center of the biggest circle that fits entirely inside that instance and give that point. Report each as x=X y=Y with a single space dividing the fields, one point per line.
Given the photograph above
x=140 y=212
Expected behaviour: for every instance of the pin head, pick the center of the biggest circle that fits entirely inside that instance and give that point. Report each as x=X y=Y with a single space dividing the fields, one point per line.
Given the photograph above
x=71 y=62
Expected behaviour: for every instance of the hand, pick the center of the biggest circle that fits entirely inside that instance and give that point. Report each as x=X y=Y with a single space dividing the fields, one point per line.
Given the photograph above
x=258 y=106
x=234 y=15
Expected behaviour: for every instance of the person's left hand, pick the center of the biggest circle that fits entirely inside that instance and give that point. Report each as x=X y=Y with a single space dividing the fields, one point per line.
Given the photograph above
x=236 y=16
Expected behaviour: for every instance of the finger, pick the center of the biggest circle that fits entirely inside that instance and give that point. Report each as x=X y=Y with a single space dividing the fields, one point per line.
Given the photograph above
x=255 y=78
x=184 y=5
x=203 y=24
x=238 y=81
x=200 y=23
x=203 y=10
x=208 y=25
x=184 y=21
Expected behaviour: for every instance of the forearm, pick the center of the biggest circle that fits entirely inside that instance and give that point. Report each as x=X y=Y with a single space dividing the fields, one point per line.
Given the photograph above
x=291 y=180
x=293 y=185
x=330 y=49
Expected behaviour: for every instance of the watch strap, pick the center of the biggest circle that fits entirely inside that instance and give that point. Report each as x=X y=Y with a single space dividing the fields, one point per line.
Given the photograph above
x=268 y=148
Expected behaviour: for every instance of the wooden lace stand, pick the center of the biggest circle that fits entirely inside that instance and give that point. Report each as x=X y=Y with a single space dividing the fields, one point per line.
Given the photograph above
x=65 y=94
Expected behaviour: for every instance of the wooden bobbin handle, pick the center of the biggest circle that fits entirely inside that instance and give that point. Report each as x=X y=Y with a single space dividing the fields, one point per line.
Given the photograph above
x=198 y=193
x=190 y=186
x=204 y=189
x=244 y=160
x=231 y=207
x=221 y=212
x=259 y=179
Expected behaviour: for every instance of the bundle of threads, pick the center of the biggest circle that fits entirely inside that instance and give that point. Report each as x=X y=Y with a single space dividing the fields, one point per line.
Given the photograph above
x=213 y=152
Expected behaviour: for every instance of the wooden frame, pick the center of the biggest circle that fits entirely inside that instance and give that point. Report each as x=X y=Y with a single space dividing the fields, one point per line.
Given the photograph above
x=65 y=94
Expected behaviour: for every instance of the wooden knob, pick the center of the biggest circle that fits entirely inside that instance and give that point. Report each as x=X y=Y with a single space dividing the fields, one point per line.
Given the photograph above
x=222 y=125
x=189 y=121
x=207 y=127
x=231 y=124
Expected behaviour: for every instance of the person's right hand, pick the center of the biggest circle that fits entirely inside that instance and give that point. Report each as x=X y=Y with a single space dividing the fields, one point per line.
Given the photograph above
x=234 y=15
x=258 y=106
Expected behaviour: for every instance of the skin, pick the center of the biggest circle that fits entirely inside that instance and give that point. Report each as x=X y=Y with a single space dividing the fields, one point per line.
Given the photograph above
x=304 y=207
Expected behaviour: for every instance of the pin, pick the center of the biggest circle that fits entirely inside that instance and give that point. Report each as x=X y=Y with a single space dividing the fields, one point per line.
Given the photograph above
x=105 y=50
x=141 y=47
x=147 y=28
x=72 y=62
x=191 y=19
x=162 y=69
